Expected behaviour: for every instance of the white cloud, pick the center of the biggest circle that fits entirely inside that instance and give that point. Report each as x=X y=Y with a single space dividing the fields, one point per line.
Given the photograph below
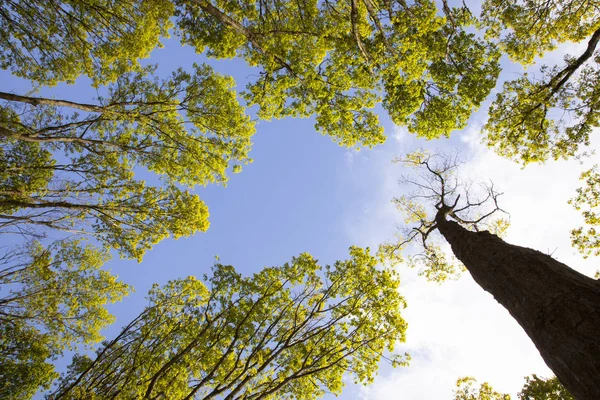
x=349 y=156
x=399 y=134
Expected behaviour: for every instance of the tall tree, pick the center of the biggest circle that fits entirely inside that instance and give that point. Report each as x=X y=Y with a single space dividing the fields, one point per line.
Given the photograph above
x=76 y=167
x=71 y=169
x=52 y=300
x=286 y=332
x=558 y=307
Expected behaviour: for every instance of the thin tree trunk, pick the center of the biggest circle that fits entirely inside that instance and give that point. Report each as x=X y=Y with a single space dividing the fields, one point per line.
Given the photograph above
x=558 y=307
x=36 y=101
x=570 y=69
x=91 y=108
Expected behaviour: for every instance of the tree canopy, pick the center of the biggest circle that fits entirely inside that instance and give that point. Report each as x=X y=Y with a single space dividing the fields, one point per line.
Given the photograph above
x=557 y=307
x=534 y=119
x=336 y=60
x=286 y=332
x=331 y=59
x=433 y=182
x=466 y=390
x=71 y=170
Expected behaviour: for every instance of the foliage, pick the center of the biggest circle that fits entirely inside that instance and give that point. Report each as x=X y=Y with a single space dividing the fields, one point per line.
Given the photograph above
x=532 y=120
x=465 y=390
x=535 y=118
x=530 y=28
x=83 y=168
x=333 y=58
x=49 y=41
x=336 y=60
x=286 y=332
x=53 y=300
x=75 y=167
x=586 y=239
x=23 y=361
x=537 y=388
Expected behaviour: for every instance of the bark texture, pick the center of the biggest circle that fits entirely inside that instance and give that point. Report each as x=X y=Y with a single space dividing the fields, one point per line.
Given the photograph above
x=558 y=307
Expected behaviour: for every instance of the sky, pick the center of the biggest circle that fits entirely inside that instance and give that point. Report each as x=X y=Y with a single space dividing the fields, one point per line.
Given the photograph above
x=304 y=193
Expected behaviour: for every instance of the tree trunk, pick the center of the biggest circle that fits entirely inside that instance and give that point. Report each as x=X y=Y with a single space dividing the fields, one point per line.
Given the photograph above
x=36 y=101
x=558 y=307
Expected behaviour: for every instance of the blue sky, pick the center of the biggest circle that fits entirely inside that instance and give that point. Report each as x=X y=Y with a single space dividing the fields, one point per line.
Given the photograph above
x=297 y=196
x=304 y=193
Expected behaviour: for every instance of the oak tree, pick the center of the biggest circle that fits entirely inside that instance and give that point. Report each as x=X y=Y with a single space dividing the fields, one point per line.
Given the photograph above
x=337 y=59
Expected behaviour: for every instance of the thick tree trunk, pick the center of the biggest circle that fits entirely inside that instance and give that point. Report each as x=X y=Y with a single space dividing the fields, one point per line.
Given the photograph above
x=558 y=307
